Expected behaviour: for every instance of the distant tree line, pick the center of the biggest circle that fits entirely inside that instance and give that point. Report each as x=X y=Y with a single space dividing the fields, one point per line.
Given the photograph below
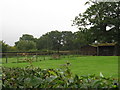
x=5 y=47
x=54 y=40
x=99 y=23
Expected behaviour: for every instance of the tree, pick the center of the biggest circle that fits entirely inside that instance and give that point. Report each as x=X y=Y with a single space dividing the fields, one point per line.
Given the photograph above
x=67 y=40
x=98 y=17
x=3 y=46
x=6 y=48
x=12 y=48
x=79 y=40
x=56 y=40
x=26 y=42
x=25 y=45
x=26 y=37
x=44 y=43
x=55 y=37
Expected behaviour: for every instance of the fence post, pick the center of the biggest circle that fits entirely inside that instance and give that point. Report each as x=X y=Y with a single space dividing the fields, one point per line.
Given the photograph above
x=17 y=58
x=6 y=59
x=36 y=57
x=44 y=57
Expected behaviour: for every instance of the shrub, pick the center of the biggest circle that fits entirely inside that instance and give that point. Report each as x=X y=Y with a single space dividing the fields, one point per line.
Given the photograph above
x=30 y=77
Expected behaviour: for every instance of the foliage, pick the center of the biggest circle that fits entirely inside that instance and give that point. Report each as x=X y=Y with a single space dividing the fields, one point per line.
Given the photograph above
x=50 y=41
x=55 y=37
x=26 y=45
x=26 y=42
x=3 y=46
x=44 y=42
x=52 y=78
x=54 y=40
x=65 y=40
x=26 y=37
x=12 y=49
x=80 y=39
x=98 y=17
x=6 y=48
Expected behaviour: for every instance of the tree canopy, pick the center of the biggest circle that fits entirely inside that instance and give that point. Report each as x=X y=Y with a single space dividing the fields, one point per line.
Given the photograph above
x=65 y=40
x=102 y=21
x=26 y=42
x=3 y=46
x=26 y=45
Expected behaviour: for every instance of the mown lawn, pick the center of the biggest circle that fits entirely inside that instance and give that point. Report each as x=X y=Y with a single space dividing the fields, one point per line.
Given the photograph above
x=82 y=65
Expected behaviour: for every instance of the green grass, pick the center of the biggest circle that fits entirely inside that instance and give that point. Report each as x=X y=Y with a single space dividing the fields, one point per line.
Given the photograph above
x=82 y=65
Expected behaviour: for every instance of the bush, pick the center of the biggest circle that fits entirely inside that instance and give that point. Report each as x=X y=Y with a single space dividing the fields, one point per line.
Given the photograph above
x=30 y=77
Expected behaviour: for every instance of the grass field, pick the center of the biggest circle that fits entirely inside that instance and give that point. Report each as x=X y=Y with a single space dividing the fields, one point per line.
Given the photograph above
x=82 y=65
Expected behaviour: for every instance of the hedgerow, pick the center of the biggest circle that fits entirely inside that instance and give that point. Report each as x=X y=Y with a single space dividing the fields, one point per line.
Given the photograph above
x=31 y=77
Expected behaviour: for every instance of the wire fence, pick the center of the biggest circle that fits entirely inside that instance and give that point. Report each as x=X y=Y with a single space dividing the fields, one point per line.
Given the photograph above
x=33 y=58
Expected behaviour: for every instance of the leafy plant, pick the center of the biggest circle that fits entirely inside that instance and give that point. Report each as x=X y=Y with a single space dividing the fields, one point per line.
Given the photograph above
x=52 y=78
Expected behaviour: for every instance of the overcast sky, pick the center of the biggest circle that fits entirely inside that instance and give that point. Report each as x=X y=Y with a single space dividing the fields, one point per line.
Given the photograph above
x=37 y=17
